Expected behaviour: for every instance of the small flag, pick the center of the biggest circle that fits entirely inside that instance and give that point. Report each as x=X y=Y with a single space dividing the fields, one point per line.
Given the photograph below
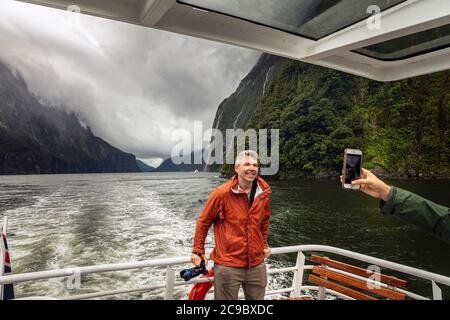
x=8 y=289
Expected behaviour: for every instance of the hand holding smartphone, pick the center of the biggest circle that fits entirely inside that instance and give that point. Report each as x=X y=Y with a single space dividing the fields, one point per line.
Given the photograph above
x=352 y=168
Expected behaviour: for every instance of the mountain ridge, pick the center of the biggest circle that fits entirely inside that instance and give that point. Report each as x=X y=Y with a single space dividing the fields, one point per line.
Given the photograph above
x=37 y=139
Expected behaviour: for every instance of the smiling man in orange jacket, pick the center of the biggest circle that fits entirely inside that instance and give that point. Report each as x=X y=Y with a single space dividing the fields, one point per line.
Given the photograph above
x=240 y=212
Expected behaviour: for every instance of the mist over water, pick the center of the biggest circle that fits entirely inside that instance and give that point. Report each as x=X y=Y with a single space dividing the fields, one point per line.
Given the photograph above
x=60 y=221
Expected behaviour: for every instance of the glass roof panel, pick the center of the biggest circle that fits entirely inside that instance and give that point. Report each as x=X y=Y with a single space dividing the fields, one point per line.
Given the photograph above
x=313 y=19
x=409 y=46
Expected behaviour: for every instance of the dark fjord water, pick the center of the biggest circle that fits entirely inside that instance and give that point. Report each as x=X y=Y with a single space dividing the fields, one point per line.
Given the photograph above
x=78 y=220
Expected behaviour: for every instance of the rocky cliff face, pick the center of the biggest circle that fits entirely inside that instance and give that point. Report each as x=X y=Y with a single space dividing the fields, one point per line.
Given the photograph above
x=236 y=111
x=35 y=138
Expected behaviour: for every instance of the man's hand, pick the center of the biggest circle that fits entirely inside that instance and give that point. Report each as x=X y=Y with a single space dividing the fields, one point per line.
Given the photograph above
x=267 y=252
x=371 y=185
x=197 y=260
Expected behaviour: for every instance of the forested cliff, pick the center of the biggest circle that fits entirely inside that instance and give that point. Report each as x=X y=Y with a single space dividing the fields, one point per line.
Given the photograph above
x=403 y=127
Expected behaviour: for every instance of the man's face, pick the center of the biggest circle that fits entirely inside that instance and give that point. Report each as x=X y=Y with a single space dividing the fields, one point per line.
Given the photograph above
x=248 y=169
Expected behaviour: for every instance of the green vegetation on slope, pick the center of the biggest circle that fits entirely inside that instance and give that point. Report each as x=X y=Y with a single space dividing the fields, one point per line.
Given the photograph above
x=402 y=127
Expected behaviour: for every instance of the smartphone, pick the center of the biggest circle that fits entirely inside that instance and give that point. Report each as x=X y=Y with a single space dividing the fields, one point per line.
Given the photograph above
x=352 y=167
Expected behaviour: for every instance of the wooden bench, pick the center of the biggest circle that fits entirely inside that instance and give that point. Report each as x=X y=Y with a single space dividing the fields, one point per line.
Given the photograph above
x=323 y=276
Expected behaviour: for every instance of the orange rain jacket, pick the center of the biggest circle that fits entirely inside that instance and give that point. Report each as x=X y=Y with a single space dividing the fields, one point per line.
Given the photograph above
x=240 y=231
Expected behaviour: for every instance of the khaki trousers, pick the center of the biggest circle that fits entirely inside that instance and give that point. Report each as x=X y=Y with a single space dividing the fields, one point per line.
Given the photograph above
x=227 y=281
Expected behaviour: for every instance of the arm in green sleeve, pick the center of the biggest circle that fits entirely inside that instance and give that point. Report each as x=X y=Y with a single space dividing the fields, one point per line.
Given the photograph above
x=421 y=212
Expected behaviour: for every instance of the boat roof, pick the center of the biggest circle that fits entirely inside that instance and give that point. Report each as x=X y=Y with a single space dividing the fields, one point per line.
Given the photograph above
x=383 y=40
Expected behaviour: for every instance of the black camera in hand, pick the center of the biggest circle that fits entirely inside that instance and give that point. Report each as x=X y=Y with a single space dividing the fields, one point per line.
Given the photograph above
x=188 y=274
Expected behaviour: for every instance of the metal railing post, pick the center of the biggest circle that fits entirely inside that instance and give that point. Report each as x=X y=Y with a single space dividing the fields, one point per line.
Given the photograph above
x=170 y=283
x=2 y=257
x=437 y=292
x=2 y=252
x=297 y=281
x=321 y=293
x=5 y=224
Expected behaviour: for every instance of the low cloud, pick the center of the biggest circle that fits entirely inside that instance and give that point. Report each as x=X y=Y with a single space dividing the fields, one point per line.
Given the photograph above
x=132 y=85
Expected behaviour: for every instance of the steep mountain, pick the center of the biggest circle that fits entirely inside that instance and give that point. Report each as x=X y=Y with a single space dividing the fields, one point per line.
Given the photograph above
x=235 y=111
x=403 y=127
x=144 y=167
x=168 y=166
x=35 y=138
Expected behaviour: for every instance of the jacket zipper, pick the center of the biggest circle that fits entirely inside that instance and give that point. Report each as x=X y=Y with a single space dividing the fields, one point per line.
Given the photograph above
x=247 y=201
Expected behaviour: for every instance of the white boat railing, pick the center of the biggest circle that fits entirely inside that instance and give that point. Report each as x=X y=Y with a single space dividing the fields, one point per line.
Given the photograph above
x=297 y=289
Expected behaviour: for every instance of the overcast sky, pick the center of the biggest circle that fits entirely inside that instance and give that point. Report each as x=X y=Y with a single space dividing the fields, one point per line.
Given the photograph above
x=132 y=85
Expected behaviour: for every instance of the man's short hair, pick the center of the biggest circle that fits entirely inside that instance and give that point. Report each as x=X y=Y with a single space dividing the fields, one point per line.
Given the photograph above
x=250 y=153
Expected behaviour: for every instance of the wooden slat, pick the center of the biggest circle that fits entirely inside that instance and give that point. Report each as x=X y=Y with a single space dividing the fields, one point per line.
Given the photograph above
x=389 y=280
x=337 y=287
x=387 y=293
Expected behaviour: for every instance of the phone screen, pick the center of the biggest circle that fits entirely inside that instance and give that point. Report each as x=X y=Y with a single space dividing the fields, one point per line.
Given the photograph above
x=352 y=168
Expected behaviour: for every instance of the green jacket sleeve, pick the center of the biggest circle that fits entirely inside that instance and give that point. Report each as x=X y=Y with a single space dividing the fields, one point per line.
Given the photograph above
x=421 y=212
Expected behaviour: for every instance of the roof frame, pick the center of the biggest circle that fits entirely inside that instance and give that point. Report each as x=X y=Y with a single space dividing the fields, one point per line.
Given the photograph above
x=333 y=51
x=404 y=19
